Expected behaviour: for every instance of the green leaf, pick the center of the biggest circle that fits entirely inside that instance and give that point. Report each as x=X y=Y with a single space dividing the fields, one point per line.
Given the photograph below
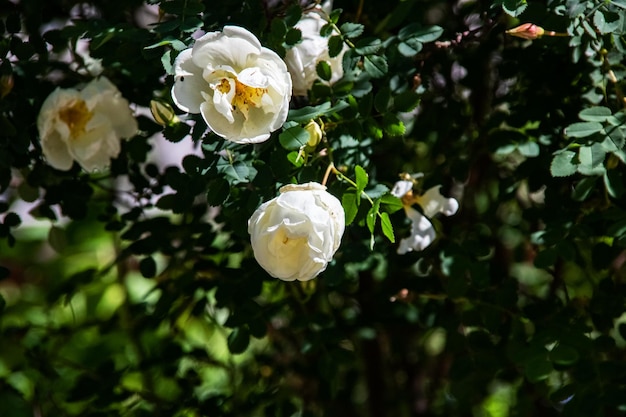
x=4 y=272
x=293 y=36
x=324 y=71
x=305 y=114
x=292 y=15
x=564 y=355
x=563 y=164
x=237 y=172
x=370 y=219
x=529 y=149
x=582 y=129
x=147 y=267
x=382 y=99
x=293 y=138
x=410 y=48
x=391 y=203
x=387 y=227
x=614 y=183
x=219 y=190
x=350 y=203
x=591 y=159
x=375 y=65
x=406 y=101
x=583 y=188
x=607 y=22
x=538 y=369
x=335 y=45
x=351 y=30
x=428 y=34
x=514 y=7
x=362 y=179
x=368 y=46
x=334 y=15
x=238 y=340
x=595 y=114
x=392 y=125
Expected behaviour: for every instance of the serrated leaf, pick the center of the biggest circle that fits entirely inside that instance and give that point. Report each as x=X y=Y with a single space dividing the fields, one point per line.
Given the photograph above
x=607 y=22
x=349 y=202
x=387 y=227
x=392 y=125
x=335 y=45
x=514 y=7
x=293 y=36
x=368 y=46
x=293 y=138
x=362 y=179
x=324 y=71
x=375 y=65
x=237 y=172
x=595 y=114
x=582 y=129
x=391 y=203
x=351 y=30
x=563 y=164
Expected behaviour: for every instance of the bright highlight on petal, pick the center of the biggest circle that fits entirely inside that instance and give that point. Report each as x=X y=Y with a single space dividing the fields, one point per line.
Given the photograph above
x=431 y=202
x=241 y=89
x=303 y=58
x=295 y=235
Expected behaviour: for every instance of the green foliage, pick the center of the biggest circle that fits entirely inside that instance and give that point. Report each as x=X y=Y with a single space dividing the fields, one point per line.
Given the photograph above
x=134 y=290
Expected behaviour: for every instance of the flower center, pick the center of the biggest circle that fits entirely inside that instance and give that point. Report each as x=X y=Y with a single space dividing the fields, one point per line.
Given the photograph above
x=76 y=116
x=244 y=97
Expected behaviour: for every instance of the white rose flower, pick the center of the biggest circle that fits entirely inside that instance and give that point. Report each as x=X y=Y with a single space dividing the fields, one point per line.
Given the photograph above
x=295 y=235
x=431 y=202
x=302 y=59
x=241 y=89
x=85 y=125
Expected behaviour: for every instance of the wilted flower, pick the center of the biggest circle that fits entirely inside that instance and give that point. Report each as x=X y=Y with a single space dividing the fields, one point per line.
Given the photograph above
x=295 y=235
x=303 y=58
x=85 y=125
x=241 y=89
x=431 y=202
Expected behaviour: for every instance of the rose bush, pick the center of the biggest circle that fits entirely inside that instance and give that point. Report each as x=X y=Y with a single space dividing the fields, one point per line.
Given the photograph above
x=295 y=235
x=303 y=58
x=431 y=203
x=241 y=89
x=85 y=125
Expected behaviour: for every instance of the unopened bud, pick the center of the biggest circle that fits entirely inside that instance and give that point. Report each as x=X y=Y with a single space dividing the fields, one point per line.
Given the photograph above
x=315 y=133
x=527 y=31
x=6 y=85
x=163 y=113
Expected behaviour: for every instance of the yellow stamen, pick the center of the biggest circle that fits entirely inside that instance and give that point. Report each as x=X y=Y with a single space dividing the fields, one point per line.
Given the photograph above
x=246 y=96
x=76 y=116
